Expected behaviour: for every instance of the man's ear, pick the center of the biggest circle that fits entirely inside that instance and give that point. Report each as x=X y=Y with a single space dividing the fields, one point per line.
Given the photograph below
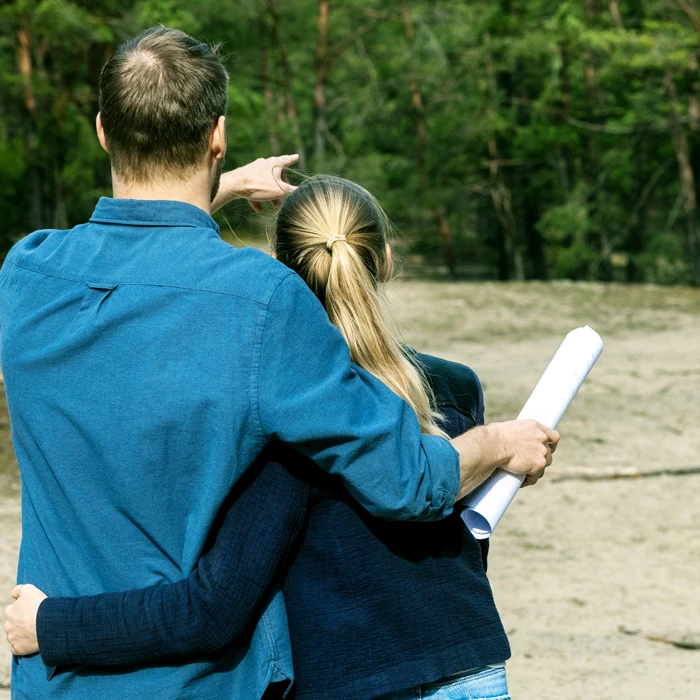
x=101 y=132
x=217 y=140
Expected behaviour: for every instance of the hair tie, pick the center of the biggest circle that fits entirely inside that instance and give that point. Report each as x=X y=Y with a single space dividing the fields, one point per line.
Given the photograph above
x=333 y=239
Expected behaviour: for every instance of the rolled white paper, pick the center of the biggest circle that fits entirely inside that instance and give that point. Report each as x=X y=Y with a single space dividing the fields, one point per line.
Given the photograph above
x=554 y=392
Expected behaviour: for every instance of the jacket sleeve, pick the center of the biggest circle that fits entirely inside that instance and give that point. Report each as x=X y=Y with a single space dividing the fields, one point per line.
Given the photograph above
x=310 y=395
x=197 y=615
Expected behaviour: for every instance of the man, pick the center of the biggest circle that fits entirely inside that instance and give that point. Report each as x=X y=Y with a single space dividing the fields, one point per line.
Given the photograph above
x=147 y=364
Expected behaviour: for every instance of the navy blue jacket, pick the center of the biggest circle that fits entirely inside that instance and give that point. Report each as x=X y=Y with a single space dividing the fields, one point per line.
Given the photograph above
x=373 y=606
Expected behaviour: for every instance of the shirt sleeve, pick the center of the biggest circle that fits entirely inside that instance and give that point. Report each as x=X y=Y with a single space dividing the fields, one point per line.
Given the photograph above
x=200 y=614
x=311 y=396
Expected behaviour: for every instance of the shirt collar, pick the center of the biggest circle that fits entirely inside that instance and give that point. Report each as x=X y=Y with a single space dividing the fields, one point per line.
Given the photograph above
x=157 y=212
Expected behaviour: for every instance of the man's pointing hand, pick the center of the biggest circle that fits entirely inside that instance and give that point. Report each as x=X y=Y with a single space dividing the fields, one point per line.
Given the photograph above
x=263 y=180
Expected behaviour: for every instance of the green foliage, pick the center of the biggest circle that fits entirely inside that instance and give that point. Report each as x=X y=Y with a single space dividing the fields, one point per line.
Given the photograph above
x=549 y=139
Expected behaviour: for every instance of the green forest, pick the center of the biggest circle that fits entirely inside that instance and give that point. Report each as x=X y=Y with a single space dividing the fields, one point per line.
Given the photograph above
x=507 y=139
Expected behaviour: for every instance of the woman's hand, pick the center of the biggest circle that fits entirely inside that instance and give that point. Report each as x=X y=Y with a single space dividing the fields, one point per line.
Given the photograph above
x=20 y=619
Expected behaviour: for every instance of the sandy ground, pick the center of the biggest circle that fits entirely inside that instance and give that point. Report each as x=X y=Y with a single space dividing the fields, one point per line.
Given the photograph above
x=572 y=562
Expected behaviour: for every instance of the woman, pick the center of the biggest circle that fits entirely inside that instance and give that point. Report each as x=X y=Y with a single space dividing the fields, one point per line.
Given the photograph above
x=376 y=609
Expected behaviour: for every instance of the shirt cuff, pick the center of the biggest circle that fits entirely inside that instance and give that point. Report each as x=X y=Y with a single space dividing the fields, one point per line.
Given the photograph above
x=52 y=631
x=443 y=461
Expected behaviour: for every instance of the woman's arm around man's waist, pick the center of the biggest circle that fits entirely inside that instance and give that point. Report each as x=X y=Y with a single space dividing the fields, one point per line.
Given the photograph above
x=200 y=614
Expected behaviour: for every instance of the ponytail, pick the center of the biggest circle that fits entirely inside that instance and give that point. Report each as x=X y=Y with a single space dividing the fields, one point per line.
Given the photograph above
x=333 y=234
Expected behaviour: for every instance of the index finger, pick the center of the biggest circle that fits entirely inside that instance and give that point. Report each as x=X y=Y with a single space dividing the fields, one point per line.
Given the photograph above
x=286 y=161
x=16 y=592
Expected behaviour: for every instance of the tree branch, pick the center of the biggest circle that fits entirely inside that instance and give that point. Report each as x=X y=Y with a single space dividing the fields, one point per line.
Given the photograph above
x=690 y=13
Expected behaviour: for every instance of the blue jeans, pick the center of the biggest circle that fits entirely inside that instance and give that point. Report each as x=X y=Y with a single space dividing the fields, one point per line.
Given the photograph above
x=482 y=684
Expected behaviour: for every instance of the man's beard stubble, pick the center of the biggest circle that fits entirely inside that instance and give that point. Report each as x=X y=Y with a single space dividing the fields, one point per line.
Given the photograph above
x=219 y=168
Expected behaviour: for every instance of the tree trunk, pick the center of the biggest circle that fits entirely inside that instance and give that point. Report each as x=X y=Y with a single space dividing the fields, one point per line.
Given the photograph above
x=501 y=195
x=694 y=113
x=533 y=240
x=680 y=144
x=436 y=212
x=691 y=13
x=566 y=155
x=594 y=98
x=615 y=12
x=291 y=108
x=529 y=199
x=24 y=64
x=688 y=159
x=321 y=67
x=60 y=215
x=639 y=225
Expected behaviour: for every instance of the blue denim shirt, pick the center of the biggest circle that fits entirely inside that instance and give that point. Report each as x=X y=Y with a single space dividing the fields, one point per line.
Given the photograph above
x=146 y=365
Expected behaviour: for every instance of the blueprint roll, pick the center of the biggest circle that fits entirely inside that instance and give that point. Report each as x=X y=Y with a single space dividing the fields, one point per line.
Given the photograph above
x=554 y=392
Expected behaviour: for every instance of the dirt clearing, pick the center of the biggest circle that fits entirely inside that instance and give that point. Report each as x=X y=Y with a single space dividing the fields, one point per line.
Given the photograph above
x=573 y=562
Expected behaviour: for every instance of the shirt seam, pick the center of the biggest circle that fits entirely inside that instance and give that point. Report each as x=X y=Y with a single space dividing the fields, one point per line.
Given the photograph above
x=142 y=284
x=257 y=352
x=271 y=642
x=256 y=361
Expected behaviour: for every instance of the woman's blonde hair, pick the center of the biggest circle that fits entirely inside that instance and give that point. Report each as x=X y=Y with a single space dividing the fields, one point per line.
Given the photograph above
x=333 y=233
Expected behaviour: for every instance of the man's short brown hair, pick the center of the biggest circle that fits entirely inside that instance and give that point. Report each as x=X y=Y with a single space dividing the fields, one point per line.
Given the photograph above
x=160 y=95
